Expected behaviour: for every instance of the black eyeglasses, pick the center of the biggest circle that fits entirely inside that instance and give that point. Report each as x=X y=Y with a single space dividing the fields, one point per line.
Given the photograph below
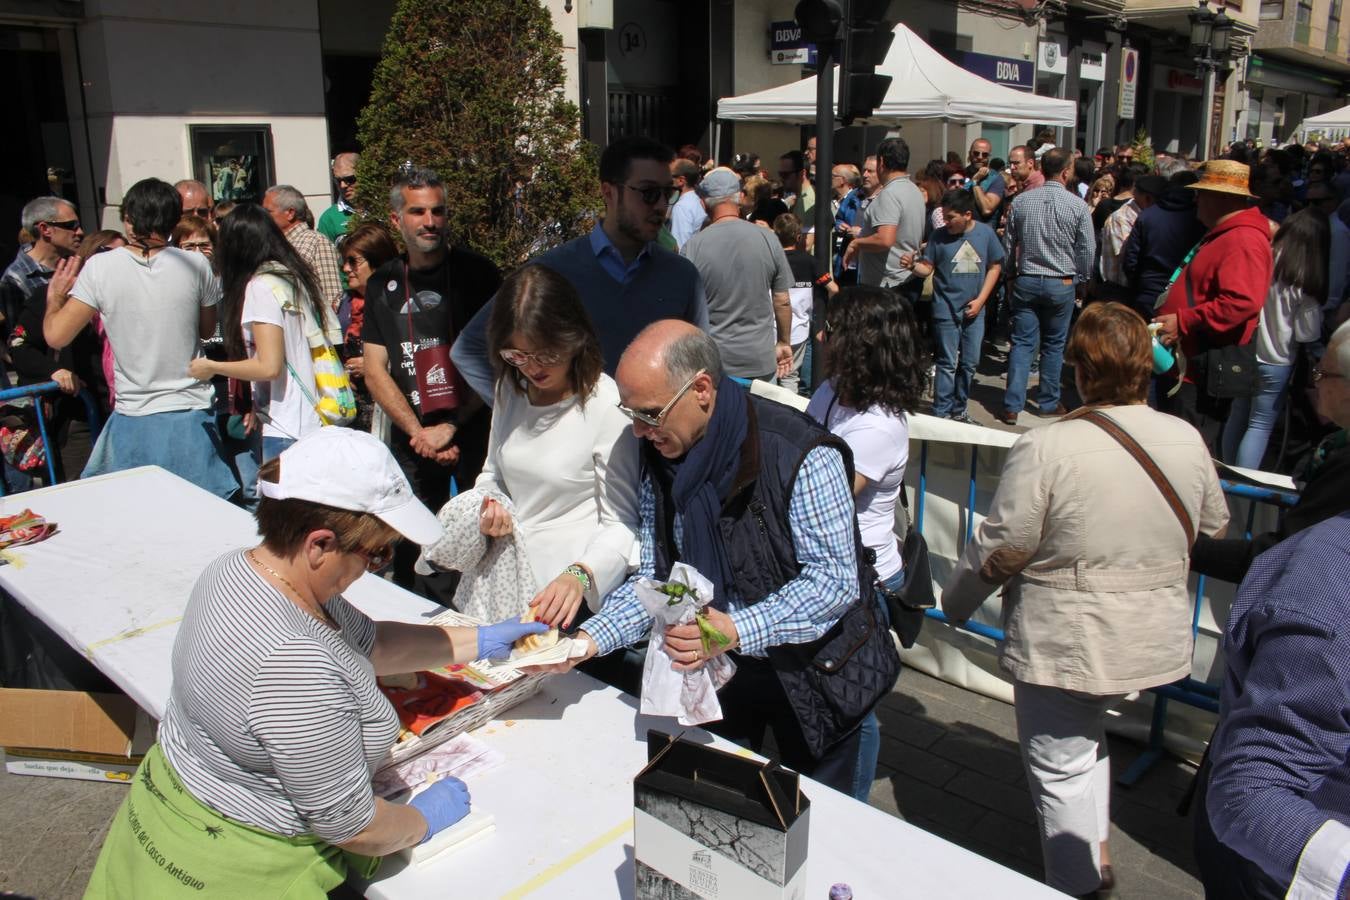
x=200 y=212
x=653 y=195
x=345 y=180
x=976 y=154
x=66 y=225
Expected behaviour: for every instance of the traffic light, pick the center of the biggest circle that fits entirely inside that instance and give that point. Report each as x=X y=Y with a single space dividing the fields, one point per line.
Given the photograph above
x=867 y=38
x=819 y=19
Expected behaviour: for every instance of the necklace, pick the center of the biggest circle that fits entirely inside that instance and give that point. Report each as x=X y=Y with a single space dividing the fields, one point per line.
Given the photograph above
x=284 y=580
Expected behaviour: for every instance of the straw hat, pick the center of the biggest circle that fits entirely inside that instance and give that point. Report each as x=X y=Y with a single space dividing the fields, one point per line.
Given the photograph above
x=1224 y=176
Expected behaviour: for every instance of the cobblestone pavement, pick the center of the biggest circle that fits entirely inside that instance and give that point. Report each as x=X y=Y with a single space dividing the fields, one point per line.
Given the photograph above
x=949 y=764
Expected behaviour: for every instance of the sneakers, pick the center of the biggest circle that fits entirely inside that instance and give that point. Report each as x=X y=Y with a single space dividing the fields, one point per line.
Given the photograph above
x=962 y=416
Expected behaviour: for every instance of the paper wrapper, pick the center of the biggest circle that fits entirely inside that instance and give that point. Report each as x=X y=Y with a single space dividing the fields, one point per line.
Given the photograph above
x=689 y=696
x=565 y=649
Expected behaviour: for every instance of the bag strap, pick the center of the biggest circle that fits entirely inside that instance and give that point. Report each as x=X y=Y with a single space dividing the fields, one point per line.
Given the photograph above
x=1111 y=427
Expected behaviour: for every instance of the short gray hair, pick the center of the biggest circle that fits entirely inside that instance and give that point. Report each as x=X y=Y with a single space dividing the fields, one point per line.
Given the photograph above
x=416 y=177
x=687 y=354
x=1172 y=165
x=289 y=198
x=43 y=209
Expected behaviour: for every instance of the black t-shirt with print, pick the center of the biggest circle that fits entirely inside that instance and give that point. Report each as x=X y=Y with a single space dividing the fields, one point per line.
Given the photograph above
x=413 y=309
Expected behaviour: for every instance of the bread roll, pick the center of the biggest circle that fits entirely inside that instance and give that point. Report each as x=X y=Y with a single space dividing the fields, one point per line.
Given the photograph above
x=532 y=642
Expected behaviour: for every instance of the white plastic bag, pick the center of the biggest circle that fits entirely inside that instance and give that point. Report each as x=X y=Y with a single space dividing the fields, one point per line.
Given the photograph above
x=689 y=696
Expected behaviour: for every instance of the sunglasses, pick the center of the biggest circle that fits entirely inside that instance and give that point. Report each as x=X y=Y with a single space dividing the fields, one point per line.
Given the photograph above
x=353 y=260
x=658 y=419
x=520 y=359
x=956 y=182
x=67 y=225
x=376 y=559
x=200 y=212
x=975 y=154
x=345 y=180
x=652 y=196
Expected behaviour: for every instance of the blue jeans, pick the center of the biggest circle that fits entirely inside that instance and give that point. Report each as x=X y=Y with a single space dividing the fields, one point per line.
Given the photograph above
x=1251 y=419
x=272 y=446
x=958 y=351
x=1041 y=309
x=869 y=745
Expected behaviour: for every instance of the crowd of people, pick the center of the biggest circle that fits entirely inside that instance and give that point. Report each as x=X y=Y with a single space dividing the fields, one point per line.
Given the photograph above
x=592 y=405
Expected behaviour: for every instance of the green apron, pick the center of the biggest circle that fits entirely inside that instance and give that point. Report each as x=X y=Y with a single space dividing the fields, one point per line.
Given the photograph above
x=164 y=843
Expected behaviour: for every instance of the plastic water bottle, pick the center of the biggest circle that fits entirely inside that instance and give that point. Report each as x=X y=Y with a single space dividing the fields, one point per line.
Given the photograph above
x=1163 y=360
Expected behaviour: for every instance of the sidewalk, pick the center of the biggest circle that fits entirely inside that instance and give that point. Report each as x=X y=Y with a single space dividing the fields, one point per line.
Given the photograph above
x=949 y=764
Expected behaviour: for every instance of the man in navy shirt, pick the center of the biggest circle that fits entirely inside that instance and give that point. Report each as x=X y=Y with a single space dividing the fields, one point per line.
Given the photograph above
x=988 y=185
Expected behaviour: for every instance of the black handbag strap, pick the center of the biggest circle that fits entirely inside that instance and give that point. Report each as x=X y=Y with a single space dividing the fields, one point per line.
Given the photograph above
x=1111 y=427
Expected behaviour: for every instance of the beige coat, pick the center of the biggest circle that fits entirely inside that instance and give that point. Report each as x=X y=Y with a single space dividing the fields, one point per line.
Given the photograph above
x=1094 y=559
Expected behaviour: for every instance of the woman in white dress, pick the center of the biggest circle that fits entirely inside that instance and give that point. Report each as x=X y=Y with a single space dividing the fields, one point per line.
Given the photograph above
x=560 y=450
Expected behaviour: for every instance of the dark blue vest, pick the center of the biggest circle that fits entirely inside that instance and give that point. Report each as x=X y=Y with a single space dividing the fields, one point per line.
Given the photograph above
x=833 y=682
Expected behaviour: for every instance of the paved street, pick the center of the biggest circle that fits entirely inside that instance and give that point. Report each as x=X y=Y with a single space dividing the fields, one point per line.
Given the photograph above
x=949 y=764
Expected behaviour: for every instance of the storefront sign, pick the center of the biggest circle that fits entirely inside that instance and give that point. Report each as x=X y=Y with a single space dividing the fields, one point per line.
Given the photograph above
x=1052 y=59
x=1129 y=81
x=1092 y=66
x=787 y=47
x=1182 y=81
x=1017 y=73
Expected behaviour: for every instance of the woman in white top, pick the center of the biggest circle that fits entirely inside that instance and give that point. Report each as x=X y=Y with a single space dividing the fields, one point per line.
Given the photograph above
x=270 y=297
x=875 y=375
x=1292 y=315
x=559 y=449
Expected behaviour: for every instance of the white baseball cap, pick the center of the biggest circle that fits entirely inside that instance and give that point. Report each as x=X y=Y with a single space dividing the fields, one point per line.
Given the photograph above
x=352 y=470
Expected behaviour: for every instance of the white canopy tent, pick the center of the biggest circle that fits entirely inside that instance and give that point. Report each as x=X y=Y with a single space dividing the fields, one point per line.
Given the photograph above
x=1332 y=124
x=924 y=85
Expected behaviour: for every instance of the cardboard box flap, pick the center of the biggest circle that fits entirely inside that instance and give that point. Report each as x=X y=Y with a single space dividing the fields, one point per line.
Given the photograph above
x=760 y=792
x=67 y=720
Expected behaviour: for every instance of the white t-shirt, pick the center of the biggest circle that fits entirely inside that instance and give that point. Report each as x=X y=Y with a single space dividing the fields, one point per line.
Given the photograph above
x=151 y=311
x=802 y=299
x=880 y=445
x=291 y=413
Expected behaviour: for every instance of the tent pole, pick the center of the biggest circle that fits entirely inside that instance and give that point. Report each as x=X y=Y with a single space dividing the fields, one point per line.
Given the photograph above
x=944 y=140
x=717 y=142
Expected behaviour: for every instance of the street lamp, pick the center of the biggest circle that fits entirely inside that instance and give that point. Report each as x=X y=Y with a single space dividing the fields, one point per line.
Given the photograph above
x=1210 y=36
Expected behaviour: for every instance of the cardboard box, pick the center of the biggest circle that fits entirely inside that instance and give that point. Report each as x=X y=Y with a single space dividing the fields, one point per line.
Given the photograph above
x=712 y=824
x=82 y=766
x=93 y=734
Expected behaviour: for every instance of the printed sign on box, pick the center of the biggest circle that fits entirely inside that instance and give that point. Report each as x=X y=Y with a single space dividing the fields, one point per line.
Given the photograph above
x=712 y=824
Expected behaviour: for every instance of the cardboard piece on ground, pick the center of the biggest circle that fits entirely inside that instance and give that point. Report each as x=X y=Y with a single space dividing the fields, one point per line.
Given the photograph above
x=106 y=724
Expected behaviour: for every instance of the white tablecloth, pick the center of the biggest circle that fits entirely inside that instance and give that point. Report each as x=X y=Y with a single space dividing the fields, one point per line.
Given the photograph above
x=115 y=579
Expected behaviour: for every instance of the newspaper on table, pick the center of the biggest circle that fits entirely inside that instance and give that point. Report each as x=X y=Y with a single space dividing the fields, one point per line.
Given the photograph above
x=690 y=696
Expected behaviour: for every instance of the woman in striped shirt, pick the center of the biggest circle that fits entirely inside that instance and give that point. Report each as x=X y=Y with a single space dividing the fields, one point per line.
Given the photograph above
x=260 y=784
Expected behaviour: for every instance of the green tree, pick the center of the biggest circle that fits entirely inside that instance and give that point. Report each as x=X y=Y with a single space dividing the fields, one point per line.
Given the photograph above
x=475 y=91
x=1143 y=149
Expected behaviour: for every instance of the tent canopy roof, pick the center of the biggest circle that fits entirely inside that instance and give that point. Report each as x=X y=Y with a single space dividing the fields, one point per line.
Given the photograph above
x=924 y=85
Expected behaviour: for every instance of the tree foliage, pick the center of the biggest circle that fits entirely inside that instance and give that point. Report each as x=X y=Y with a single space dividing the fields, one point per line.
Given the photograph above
x=475 y=91
x=1143 y=149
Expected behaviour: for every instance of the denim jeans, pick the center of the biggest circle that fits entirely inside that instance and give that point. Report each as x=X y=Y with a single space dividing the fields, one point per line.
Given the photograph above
x=1041 y=309
x=958 y=341
x=1251 y=419
x=869 y=745
x=272 y=446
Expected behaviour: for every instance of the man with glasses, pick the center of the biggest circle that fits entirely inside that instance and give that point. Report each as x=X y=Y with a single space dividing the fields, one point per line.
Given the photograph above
x=626 y=281
x=196 y=199
x=758 y=498
x=987 y=185
x=333 y=222
x=687 y=216
x=56 y=235
x=415 y=305
x=793 y=174
x=747 y=280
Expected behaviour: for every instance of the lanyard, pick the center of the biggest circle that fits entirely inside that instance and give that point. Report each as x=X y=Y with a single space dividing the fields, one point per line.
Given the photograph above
x=1184 y=263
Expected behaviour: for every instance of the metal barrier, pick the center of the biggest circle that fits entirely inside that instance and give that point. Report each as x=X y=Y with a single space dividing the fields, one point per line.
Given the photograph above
x=1188 y=690
x=35 y=392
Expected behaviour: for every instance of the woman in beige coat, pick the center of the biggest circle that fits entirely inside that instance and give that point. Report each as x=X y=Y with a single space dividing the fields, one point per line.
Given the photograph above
x=1093 y=550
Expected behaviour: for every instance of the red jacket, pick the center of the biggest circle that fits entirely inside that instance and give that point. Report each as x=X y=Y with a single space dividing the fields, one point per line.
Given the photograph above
x=1229 y=277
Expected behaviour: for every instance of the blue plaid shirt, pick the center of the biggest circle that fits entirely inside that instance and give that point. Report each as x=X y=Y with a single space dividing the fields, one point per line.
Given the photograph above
x=24 y=279
x=1049 y=232
x=1279 y=791
x=820 y=512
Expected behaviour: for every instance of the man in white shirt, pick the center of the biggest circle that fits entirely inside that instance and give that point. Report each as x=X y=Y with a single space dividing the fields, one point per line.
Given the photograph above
x=157 y=304
x=687 y=216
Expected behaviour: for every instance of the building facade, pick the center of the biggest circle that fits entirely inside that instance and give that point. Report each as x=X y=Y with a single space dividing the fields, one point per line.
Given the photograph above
x=1299 y=66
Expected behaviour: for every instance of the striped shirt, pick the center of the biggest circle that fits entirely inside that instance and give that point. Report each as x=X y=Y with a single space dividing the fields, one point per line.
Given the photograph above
x=820 y=513
x=1049 y=232
x=275 y=719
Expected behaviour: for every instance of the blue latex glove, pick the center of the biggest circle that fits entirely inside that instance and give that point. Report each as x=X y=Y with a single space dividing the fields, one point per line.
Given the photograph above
x=442 y=805
x=494 y=641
